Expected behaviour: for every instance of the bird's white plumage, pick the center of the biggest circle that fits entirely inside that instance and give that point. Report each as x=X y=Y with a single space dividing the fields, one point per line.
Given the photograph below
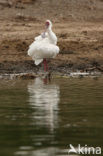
x=44 y=46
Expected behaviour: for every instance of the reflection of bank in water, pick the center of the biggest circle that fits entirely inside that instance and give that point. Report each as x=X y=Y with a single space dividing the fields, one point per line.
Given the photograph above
x=44 y=98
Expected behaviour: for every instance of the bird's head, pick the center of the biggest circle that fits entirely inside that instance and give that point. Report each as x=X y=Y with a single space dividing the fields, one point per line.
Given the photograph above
x=48 y=24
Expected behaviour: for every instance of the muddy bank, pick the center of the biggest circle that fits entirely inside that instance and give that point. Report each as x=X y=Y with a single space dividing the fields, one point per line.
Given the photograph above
x=81 y=47
x=79 y=32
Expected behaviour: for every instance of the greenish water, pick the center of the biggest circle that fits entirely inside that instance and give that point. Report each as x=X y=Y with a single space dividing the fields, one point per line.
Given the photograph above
x=39 y=118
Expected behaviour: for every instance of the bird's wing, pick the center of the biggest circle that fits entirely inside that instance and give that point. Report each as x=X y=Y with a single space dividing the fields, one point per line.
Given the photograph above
x=41 y=37
x=38 y=38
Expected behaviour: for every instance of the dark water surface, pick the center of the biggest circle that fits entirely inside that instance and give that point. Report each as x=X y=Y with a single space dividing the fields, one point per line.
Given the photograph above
x=39 y=118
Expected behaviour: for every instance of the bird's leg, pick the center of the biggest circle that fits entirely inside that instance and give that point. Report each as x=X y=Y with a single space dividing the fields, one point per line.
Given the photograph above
x=44 y=61
x=46 y=65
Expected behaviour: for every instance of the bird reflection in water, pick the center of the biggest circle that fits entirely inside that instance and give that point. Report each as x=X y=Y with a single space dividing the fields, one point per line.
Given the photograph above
x=44 y=98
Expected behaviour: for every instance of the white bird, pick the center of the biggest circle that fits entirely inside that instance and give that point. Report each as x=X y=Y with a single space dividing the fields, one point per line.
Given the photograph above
x=44 y=46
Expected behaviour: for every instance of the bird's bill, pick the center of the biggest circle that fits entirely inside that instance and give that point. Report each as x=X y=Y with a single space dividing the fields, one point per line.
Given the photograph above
x=47 y=24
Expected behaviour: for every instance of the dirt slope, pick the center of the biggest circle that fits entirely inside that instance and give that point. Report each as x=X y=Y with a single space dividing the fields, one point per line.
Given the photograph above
x=91 y=10
x=77 y=23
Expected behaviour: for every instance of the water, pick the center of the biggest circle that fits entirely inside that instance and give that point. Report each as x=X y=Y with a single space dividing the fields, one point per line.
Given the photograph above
x=40 y=118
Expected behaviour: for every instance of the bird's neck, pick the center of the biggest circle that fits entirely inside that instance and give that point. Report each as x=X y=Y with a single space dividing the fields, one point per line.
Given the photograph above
x=49 y=29
x=51 y=35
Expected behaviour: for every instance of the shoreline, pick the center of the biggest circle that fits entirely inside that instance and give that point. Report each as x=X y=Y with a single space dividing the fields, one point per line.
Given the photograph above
x=26 y=76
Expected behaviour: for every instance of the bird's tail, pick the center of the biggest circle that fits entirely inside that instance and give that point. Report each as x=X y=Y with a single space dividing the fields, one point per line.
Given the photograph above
x=38 y=61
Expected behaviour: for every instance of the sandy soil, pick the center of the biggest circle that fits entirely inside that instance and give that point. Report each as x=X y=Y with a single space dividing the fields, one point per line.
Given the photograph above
x=79 y=32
